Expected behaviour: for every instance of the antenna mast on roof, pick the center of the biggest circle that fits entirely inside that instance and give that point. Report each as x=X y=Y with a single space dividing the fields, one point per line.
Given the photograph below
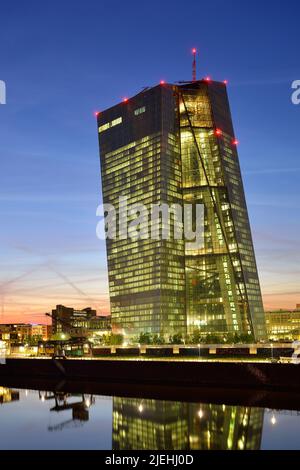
x=194 y=76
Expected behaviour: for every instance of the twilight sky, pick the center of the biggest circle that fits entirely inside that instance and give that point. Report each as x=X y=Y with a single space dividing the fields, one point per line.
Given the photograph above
x=63 y=60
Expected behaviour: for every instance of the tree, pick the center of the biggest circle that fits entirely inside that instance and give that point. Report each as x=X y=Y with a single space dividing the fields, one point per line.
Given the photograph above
x=116 y=340
x=195 y=338
x=112 y=339
x=33 y=340
x=176 y=339
x=145 y=338
x=236 y=338
x=212 y=339
x=157 y=340
x=246 y=338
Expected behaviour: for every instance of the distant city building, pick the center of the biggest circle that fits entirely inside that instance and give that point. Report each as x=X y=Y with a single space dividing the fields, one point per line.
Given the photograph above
x=83 y=322
x=283 y=324
x=175 y=144
x=43 y=331
x=17 y=333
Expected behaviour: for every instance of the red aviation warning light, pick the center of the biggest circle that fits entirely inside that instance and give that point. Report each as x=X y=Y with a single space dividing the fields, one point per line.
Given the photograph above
x=225 y=82
x=218 y=132
x=96 y=113
x=162 y=82
x=207 y=79
x=235 y=142
x=125 y=99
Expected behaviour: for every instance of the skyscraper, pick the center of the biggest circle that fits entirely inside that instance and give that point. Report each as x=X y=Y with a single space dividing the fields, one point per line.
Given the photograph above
x=175 y=144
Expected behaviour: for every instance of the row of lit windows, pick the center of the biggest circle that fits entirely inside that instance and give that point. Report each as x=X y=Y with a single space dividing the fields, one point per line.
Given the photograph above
x=145 y=153
x=143 y=287
x=110 y=124
x=144 y=142
x=139 y=111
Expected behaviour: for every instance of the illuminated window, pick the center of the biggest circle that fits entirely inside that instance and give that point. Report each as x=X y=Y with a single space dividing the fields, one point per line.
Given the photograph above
x=139 y=111
x=110 y=124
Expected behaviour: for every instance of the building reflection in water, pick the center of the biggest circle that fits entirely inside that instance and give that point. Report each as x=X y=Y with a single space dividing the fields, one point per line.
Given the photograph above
x=158 y=425
x=7 y=395
x=80 y=408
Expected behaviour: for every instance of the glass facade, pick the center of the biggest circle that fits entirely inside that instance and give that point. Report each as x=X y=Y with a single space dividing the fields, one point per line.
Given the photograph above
x=140 y=160
x=223 y=292
x=175 y=144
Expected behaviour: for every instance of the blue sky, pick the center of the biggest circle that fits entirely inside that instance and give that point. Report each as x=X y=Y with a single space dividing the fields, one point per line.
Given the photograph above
x=62 y=61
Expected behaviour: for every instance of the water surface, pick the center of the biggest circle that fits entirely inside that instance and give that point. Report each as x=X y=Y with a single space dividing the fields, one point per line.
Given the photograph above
x=48 y=420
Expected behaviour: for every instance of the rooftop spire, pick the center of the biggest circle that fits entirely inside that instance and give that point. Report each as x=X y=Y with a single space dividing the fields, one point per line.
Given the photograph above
x=194 y=73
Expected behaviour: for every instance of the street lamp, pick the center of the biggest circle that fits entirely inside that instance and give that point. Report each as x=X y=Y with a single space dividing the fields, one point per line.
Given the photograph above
x=272 y=352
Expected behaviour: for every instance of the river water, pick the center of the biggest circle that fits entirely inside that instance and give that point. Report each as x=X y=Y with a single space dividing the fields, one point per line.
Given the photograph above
x=48 y=420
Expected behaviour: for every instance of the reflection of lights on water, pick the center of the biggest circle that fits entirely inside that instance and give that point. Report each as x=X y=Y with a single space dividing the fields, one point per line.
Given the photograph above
x=26 y=393
x=241 y=444
x=273 y=420
x=43 y=398
x=141 y=408
x=200 y=414
x=87 y=402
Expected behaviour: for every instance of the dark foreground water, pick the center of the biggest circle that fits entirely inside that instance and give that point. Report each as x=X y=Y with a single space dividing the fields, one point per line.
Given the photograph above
x=47 y=420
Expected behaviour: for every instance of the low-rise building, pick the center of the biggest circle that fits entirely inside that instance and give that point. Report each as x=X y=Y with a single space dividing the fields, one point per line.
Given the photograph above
x=283 y=324
x=14 y=332
x=43 y=331
x=83 y=322
x=18 y=333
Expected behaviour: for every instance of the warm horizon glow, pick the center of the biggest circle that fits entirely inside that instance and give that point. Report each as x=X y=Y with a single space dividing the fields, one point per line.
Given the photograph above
x=24 y=307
